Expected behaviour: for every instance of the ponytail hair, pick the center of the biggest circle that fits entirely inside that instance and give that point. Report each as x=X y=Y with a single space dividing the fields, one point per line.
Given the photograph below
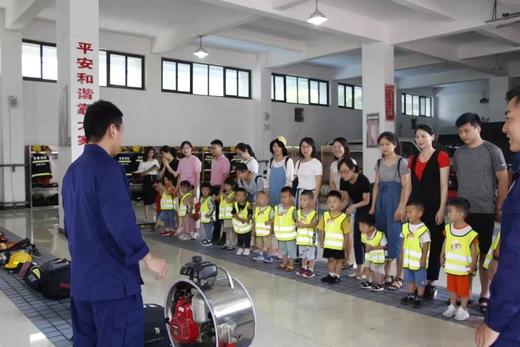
x=244 y=147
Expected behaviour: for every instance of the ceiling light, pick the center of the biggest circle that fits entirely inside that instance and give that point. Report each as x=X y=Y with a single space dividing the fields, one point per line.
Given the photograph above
x=317 y=18
x=201 y=52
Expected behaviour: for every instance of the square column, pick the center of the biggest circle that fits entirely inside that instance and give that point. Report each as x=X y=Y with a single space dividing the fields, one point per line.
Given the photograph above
x=498 y=88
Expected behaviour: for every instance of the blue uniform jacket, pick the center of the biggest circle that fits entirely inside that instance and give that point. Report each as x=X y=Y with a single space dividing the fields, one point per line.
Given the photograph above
x=105 y=243
x=503 y=313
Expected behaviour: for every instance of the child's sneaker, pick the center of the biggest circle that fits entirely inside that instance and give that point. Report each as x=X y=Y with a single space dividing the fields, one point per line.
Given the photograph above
x=407 y=300
x=377 y=288
x=194 y=236
x=335 y=280
x=361 y=277
x=258 y=257
x=309 y=273
x=165 y=233
x=450 y=311
x=366 y=285
x=246 y=252
x=300 y=272
x=240 y=251
x=327 y=278
x=230 y=247
x=461 y=314
x=268 y=259
x=351 y=273
x=418 y=303
x=224 y=246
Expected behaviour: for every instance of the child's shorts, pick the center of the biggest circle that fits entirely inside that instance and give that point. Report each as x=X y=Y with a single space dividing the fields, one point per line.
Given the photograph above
x=287 y=248
x=307 y=252
x=415 y=276
x=333 y=253
x=227 y=224
x=374 y=267
x=459 y=284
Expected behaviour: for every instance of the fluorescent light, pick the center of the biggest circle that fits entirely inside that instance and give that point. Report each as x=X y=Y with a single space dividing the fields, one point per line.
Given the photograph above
x=317 y=18
x=200 y=53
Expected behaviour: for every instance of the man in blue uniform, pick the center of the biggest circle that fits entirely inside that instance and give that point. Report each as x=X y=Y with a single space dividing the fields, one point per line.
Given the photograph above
x=501 y=327
x=105 y=243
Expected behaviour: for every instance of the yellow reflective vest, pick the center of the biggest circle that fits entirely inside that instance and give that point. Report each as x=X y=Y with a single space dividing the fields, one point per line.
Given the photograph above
x=334 y=234
x=168 y=202
x=376 y=256
x=306 y=236
x=261 y=218
x=412 y=248
x=238 y=226
x=458 y=252
x=225 y=208
x=204 y=211
x=183 y=207
x=489 y=255
x=284 y=225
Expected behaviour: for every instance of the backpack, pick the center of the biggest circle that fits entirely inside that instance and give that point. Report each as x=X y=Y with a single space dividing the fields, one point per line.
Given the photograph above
x=55 y=279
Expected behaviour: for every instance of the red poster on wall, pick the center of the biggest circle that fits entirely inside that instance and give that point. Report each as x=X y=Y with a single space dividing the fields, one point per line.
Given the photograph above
x=389 y=102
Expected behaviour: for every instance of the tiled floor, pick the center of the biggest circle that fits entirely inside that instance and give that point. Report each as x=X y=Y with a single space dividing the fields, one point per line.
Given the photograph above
x=289 y=312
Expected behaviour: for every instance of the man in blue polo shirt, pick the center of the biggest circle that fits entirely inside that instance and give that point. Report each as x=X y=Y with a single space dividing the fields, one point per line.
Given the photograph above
x=105 y=243
x=501 y=327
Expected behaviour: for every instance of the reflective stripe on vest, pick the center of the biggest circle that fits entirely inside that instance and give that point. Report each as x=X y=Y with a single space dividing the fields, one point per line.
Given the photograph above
x=306 y=236
x=225 y=208
x=167 y=202
x=183 y=209
x=334 y=235
x=376 y=256
x=238 y=226
x=261 y=218
x=204 y=210
x=489 y=255
x=458 y=252
x=284 y=225
x=412 y=248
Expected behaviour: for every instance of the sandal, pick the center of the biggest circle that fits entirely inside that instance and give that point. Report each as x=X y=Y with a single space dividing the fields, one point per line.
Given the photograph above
x=289 y=268
x=483 y=304
x=282 y=267
x=396 y=284
x=389 y=279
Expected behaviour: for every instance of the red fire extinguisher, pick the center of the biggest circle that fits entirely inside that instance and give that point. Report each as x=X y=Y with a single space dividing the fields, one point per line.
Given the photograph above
x=183 y=327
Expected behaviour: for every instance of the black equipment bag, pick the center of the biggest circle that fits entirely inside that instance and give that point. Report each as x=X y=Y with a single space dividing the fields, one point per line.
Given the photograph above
x=55 y=279
x=33 y=277
x=155 y=333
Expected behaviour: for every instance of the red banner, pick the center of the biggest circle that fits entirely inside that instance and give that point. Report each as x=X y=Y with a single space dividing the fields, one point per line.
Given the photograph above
x=389 y=102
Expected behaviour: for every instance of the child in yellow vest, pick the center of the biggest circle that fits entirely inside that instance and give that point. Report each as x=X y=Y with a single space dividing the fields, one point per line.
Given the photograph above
x=375 y=245
x=306 y=222
x=414 y=253
x=242 y=222
x=185 y=209
x=284 y=226
x=334 y=227
x=207 y=213
x=459 y=258
x=263 y=222
x=168 y=213
x=226 y=200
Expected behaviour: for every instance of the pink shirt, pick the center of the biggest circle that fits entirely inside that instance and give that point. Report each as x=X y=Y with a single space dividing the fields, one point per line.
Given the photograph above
x=220 y=168
x=189 y=169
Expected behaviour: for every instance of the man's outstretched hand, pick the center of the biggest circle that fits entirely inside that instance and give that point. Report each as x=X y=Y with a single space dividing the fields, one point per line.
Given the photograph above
x=156 y=265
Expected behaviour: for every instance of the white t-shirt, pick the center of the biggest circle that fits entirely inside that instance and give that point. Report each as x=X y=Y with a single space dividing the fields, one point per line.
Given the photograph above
x=307 y=172
x=424 y=237
x=252 y=164
x=460 y=232
x=289 y=170
x=145 y=165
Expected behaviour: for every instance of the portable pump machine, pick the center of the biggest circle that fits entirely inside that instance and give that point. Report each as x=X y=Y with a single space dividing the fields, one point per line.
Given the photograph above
x=209 y=308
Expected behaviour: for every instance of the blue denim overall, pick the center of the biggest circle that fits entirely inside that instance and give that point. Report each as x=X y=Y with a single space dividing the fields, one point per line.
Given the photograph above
x=277 y=179
x=387 y=201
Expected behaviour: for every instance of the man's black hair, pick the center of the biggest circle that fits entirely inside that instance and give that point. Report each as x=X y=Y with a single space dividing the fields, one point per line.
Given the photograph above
x=287 y=189
x=308 y=193
x=334 y=194
x=469 y=117
x=99 y=116
x=416 y=203
x=514 y=93
x=460 y=204
x=230 y=181
x=217 y=142
x=241 y=189
x=366 y=218
x=205 y=185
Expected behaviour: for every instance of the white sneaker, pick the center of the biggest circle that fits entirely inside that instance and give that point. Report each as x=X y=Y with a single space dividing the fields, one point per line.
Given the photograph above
x=240 y=251
x=450 y=312
x=247 y=252
x=461 y=314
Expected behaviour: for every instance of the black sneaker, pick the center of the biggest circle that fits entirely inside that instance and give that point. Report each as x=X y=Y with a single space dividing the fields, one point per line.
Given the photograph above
x=407 y=300
x=366 y=285
x=327 y=279
x=334 y=280
x=418 y=303
x=376 y=288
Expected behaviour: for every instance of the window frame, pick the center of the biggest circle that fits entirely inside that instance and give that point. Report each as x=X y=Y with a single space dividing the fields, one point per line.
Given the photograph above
x=191 y=63
x=298 y=78
x=126 y=55
x=41 y=44
x=352 y=94
x=427 y=99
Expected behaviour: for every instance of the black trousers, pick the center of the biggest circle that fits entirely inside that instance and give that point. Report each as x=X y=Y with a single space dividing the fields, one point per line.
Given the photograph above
x=359 y=248
x=217 y=226
x=431 y=206
x=244 y=240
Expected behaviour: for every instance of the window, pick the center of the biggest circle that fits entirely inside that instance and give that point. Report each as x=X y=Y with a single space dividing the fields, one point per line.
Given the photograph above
x=416 y=105
x=121 y=70
x=350 y=96
x=39 y=61
x=204 y=79
x=299 y=90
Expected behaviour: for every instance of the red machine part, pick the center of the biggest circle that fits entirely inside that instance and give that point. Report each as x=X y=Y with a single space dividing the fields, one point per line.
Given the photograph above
x=182 y=326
